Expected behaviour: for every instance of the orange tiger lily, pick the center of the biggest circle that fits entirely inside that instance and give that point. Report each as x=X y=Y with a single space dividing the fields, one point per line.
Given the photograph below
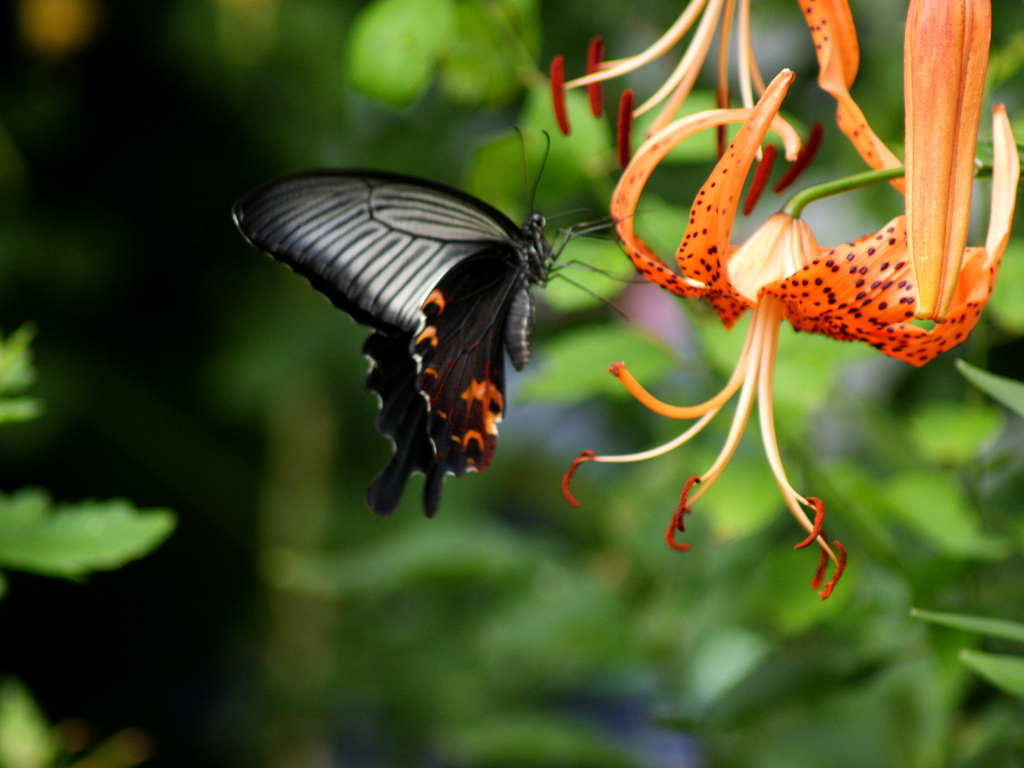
x=861 y=291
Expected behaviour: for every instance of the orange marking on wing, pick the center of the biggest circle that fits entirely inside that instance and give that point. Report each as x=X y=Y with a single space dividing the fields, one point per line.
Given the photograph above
x=437 y=298
x=429 y=334
x=490 y=400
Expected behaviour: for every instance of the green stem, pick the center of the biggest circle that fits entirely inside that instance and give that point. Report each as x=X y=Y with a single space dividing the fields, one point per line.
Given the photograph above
x=795 y=206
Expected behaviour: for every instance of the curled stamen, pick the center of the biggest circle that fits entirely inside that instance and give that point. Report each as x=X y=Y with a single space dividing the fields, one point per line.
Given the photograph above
x=840 y=566
x=625 y=127
x=822 y=565
x=557 y=77
x=595 y=55
x=584 y=456
x=676 y=523
x=761 y=173
x=797 y=167
x=819 y=516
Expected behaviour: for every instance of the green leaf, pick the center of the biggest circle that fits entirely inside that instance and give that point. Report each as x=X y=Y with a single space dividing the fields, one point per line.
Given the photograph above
x=588 y=267
x=573 y=161
x=1006 y=391
x=482 y=66
x=1007 y=630
x=574 y=366
x=1007 y=301
x=449 y=552
x=19 y=409
x=536 y=740
x=745 y=507
x=26 y=739
x=1003 y=671
x=932 y=504
x=75 y=539
x=16 y=371
x=722 y=659
x=949 y=433
x=394 y=46
x=16 y=374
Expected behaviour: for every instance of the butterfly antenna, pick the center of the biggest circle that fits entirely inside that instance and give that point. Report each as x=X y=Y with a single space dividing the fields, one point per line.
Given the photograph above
x=582 y=266
x=586 y=290
x=543 y=162
x=526 y=178
x=573 y=212
x=577 y=230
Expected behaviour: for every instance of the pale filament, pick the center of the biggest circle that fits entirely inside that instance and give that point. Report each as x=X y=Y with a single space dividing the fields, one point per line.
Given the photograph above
x=745 y=58
x=743 y=407
x=695 y=54
x=706 y=410
x=724 y=33
x=674 y=101
x=693 y=411
x=661 y=449
x=610 y=69
x=794 y=501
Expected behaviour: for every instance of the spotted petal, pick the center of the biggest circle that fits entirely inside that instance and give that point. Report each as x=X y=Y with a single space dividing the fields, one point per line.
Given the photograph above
x=835 y=45
x=705 y=245
x=864 y=290
x=634 y=177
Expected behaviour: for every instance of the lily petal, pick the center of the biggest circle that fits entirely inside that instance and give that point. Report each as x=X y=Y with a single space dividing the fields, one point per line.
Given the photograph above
x=944 y=62
x=864 y=290
x=835 y=45
x=634 y=177
x=705 y=245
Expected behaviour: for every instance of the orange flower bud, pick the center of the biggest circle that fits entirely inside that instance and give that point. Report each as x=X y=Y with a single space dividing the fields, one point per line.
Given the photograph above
x=944 y=60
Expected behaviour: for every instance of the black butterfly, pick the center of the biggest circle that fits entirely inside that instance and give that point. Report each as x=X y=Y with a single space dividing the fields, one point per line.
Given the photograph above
x=442 y=277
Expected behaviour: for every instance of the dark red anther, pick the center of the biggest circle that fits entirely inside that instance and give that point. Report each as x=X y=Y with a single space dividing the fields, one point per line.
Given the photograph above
x=625 y=127
x=557 y=77
x=722 y=102
x=807 y=153
x=584 y=456
x=676 y=523
x=822 y=565
x=819 y=516
x=615 y=369
x=761 y=172
x=595 y=55
x=827 y=589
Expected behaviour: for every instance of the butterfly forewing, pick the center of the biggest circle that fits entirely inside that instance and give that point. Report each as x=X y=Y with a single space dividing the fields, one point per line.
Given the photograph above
x=375 y=244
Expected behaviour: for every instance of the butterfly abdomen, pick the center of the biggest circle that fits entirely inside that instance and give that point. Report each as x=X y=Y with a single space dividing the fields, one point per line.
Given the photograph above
x=519 y=327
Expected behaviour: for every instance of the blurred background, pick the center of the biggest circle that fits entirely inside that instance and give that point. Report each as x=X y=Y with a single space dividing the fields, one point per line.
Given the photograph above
x=283 y=624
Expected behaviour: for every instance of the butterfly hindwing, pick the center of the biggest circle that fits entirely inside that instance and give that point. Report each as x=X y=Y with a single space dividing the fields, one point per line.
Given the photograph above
x=461 y=364
x=402 y=417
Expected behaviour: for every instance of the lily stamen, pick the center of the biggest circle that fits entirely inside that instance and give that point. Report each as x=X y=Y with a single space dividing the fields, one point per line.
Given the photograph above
x=798 y=166
x=761 y=172
x=625 y=127
x=595 y=54
x=819 y=518
x=678 y=85
x=676 y=523
x=557 y=77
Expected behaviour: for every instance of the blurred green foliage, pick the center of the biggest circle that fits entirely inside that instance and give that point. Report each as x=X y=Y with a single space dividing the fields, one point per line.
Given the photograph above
x=70 y=540
x=283 y=624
